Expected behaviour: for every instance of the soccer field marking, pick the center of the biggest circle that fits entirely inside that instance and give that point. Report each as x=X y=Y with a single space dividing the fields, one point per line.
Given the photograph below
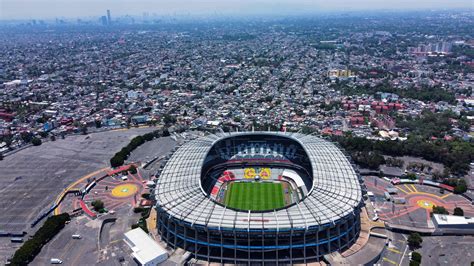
x=255 y=196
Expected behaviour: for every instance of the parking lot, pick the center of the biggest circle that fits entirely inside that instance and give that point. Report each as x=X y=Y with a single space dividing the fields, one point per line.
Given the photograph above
x=32 y=178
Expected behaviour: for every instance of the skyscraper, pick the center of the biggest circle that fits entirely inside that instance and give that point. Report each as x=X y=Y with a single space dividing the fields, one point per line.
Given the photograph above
x=109 y=21
x=103 y=20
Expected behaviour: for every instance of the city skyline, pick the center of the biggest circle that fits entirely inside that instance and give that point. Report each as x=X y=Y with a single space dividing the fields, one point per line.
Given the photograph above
x=47 y=9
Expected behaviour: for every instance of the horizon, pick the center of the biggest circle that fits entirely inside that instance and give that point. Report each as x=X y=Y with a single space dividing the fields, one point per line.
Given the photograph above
x=73 y=9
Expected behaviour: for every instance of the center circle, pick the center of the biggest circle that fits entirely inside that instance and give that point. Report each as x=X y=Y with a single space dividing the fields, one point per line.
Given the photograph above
x=425 y=204
x=125 y=190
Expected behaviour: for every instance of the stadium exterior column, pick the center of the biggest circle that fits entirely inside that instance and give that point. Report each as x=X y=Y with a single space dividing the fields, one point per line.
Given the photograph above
x=185 y=237
x=175 y=233
x=263 y=240
x=195 y=244
x=222 y=248
x=235 y=247
x=291 y=244
x=277 y=237
x=304 y=244
x=317 y=242
x=208 y=245
x=248 y=245
x=339 y=239
x=167 y=231
x=328 y=235
x=346 y=229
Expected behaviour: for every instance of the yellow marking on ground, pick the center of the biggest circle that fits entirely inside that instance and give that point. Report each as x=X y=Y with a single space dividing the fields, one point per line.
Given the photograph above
x=425 y=204
x=394 y=250
x=125 y=190
x=57 y=210
x=414 y=188
x=445 y=196
x=428 y=194
x=402 y=190
x=389 y=260
x=409 y=189
x=115 y=241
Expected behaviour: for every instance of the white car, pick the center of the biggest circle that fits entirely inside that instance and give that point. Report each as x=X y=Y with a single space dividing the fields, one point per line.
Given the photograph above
x=56 y=261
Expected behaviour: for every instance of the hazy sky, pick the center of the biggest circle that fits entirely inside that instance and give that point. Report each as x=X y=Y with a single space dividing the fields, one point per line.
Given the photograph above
x=28 y=9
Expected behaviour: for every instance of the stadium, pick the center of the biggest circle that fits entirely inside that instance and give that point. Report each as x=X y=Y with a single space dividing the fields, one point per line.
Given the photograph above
x=253 y=197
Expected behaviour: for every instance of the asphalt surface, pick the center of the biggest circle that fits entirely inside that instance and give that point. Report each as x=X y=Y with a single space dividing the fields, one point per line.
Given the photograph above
x=32 y=178
x=447 y=250
x=109 y=248
x=396 y=251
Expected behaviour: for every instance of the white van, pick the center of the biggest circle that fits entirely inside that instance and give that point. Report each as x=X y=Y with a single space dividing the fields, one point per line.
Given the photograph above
x=56 y=261
x=76 y=236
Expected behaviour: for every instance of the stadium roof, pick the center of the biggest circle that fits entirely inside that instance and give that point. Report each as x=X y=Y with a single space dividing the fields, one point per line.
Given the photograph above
x=336 y=189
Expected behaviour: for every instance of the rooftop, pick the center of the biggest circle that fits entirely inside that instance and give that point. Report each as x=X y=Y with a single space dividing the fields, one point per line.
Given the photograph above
x=335 y=194
x=144 y=248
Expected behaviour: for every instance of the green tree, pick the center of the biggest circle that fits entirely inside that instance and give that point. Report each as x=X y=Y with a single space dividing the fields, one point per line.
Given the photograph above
x=458 y=211
x=132 y=169
x=36 y=141
x=27 y=252
x=461 y=187
x=116 y=161
x=98 y=123
x=98 y=205
x=411 y=176
x=439 y=210
x=84 y=130
x=415 y=256
x=414 y=240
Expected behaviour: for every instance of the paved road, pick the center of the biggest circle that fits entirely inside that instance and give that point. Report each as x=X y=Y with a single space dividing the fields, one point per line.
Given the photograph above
x=31 y=179
x=396 y=251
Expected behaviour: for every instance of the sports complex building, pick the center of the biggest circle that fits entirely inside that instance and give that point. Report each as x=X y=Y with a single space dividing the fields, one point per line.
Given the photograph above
x=270 y=197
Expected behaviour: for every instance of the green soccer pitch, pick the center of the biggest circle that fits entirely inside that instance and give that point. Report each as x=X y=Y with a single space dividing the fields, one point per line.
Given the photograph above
x=254 y=196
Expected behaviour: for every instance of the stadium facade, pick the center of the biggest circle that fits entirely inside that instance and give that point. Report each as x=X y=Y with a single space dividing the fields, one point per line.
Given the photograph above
x=324 y=218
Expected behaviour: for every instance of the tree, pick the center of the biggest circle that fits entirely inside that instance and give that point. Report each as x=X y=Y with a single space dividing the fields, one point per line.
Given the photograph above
x=98 y=205
x=414 y=240
x=168 y=119
x=415 y=256
x=98 y=123
x=132 y=169
x=439 y=210
x=53 y=138
x=461 y=187
x=27 y=252
x=458 y=211
x=36 y=141
x=84 y=130
x=411 y=176
x=116 y=161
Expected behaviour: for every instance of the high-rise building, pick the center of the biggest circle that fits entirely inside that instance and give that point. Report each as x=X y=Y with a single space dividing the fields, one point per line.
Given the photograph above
x=103 y=20
x=109 y=21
